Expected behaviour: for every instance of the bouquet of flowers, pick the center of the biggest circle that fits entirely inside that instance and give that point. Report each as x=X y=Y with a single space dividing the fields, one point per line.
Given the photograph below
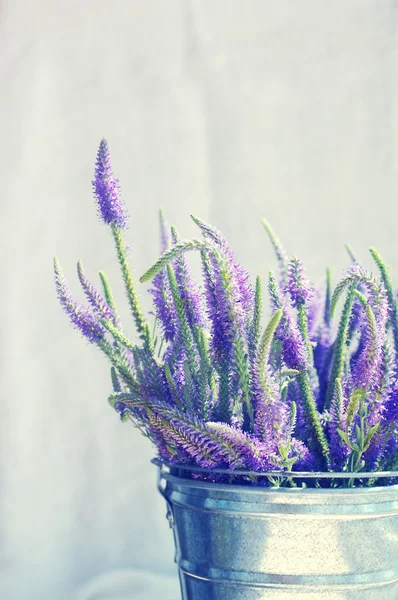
x=212 y=387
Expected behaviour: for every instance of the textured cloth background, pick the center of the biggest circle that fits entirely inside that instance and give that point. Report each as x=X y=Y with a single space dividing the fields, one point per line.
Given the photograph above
x=231 y=110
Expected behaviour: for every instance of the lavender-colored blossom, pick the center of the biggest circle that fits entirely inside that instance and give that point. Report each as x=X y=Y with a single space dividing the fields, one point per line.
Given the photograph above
x=315 y=307
x=187 y=289
x=151 y=375
x=192 y=437
x=367 y=371
x=224 y=303
x=322 y=354
x=293 y=346
x=80 y=316
x=164 y=307
x=122 y=409
x=213 y=399
x=339 y=451
x=106 y=190
x=391 y=406
x=271 y=415
x=99 y=304
x=161 y=294
x=306 y=461
x=241 y=276
x=299 y=286
x=357 y=319
x=165 y=235
x=254 y=454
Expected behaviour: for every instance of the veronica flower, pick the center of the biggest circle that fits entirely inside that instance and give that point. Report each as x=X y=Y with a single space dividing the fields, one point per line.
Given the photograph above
x=271 y=414
x=366 y=371
x=299 y=286
x=81 y=317
x=187 y=288
x=255 y=454
x=293 y=346
x=224 y=393
x=338 y=450
x=161 y=294
x=305 y=460
x=315 y=309
x=241 y=276
x=106 y=190
x=99 y=304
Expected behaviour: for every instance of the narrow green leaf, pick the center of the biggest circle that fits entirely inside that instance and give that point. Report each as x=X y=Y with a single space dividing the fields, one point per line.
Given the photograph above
x=281 y=255
x=340 y=345
x=351 y=253
x=267 y=337
x=169 y=255
x=369 y=436
x=385 y=276
x=107 y=291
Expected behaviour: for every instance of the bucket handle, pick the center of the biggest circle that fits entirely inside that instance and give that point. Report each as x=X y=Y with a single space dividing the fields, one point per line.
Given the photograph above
x=162 y=486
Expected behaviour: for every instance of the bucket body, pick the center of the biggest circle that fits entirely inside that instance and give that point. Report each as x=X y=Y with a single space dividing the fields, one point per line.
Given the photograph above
x=255 y=543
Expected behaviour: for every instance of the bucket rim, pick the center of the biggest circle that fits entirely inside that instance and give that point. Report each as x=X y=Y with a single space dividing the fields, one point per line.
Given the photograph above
x=165 y=468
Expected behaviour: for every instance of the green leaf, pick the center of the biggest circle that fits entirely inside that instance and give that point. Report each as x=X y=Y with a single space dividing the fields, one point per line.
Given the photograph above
x=107 y=291
x=283 y=452
x=267 y=337
x=351 y=253
x=279 y=250
x=385 y=276
x=115 y=381
x=169 y=255
x=293 y=414
x=344 y=437
x=340 y=345
x=369 y=436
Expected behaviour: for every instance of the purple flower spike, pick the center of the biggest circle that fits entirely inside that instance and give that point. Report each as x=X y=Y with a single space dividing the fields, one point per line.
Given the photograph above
x=187 y=288
x=99 y=304
x=106 y=190
x=80 y=316
x=165 y=236
x=293 y=345
x=241 y=275
x=306 y=461
x=164 y=306
x=161 y=294
x=367 y=369
x=299 y=286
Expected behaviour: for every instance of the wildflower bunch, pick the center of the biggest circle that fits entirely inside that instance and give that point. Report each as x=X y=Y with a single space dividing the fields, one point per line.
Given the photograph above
x=211 y=386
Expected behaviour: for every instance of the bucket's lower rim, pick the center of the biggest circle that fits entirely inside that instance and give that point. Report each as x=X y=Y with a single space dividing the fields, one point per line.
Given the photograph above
x=169 y=471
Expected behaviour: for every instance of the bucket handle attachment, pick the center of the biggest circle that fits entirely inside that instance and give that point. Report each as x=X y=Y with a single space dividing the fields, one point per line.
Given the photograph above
x=162 y=486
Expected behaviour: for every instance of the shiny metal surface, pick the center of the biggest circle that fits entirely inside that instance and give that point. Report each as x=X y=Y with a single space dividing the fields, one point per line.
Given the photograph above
x=255 y=543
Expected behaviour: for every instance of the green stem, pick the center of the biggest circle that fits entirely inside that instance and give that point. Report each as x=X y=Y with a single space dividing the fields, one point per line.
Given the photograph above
x=132 y=296
x=303 y=326
x=312 y=414
x=119 y=364
x=339 y=350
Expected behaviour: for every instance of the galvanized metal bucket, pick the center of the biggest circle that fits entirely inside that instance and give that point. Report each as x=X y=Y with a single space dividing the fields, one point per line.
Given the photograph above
x=235 y=542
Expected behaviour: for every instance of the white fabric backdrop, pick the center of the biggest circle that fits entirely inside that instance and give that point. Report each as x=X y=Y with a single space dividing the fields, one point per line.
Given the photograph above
x=231 y=110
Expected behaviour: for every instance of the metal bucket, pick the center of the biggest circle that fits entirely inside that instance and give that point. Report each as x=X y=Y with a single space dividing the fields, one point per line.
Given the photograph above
x=235 y=542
